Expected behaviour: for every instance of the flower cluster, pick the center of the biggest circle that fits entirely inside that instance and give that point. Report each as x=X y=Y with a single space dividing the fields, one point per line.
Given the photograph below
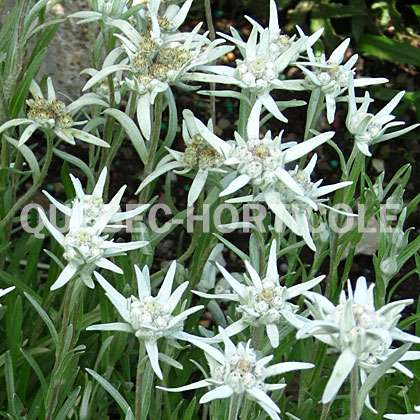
x=51 y=115
x=149 y=318
x=85 y=245
x=362 y=334
x=262 y=302
x=239 y=371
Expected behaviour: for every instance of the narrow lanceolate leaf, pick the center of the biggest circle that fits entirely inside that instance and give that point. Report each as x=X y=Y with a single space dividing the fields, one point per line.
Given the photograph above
x=119 y=399
x=44 y=317
x=35 y=367
x=22 y=91
x=29 y=157
x=68 y=405
x=377 y=374
x=78 y=163
x=132 y=131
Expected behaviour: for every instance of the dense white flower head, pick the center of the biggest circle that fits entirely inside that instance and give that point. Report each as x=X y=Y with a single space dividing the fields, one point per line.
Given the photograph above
x=53 y=115
x=258 y=72
x=85 y=245
x=331 y=77
x=239 y=370
x=355 y=328
x=149 y=317
x=300 y=206
x=155 y=61
x=199 y=156
x=262 y=301
x=369 y=129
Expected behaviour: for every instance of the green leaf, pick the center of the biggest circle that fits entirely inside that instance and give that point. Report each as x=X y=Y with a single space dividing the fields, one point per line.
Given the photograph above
x=18 y=407
x=377 y=374
x=14 y=328
x=66 y=180
x=33 y=13
x=387 y=49
x=10 y=381
x=68 y=405
x=132 y=131
x=119 y=399
x=232 y=247
x=190 y=410
x=28 y=155
x=416 y=10
x=42 y=41
x=44 y=317
x=76 y=162
x=23 y=88
x=34 y=365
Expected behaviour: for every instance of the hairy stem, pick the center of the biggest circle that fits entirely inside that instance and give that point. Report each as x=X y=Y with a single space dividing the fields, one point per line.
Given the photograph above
x=139 y=379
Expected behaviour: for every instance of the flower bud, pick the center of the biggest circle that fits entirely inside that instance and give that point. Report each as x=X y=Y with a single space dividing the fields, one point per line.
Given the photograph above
x=389 y=266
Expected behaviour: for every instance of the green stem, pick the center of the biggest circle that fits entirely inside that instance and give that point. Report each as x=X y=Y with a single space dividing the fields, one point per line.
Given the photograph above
x=234 y=407
x=153 y=144
x=139 y=379
x=56 y=383
x=212 y=36
x=354 y=389
x=325 y=411
x=32 y=190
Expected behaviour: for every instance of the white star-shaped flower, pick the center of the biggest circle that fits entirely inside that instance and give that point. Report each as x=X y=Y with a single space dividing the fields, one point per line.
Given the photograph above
x=238 y=370
x=149 y=317
x=331 y=77
x=261 y=301
x=369 y=129
x=53 y=115
x=85 y=246
x=354 y=327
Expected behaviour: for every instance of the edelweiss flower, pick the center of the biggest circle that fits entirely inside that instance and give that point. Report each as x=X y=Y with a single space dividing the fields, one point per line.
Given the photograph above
x=279 y=42
x=360 y=333
x=93 y=204
x=198 y=156
x=238 y=370
x=155 y=63
x=369 y=129
x=53 y=115
x=149 y=318
x=262 y=302
x=5 y=291
x=258 y=73
x=331 y=78
x=300 y=206
x=85 y=248
x=262 y=162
